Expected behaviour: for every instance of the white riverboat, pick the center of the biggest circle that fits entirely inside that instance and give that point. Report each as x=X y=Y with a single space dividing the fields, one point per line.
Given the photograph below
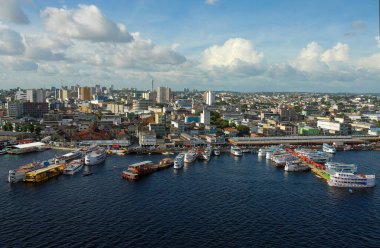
x=95 y=157
x=341 y=167
x=350 y=180
x=190 y=156
x=236 y=151
x=262 y=152
x=206 y=154
x=179 y=161
x=296 y=166
x=68 y=157
x=73 y=167
x=328 y=148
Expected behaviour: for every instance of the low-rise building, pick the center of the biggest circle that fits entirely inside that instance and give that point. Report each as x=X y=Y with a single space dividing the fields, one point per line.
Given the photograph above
x=147 y=138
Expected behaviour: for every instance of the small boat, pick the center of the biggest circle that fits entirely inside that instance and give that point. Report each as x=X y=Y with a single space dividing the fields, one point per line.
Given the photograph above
x=296 y=166
x=329 y=149
x=236 y=151
x=179 y=161
x=216 y=152
x=190 y=156
x=73 y=167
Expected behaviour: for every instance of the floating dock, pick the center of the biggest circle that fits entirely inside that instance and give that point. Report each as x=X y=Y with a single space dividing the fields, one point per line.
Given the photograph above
x=43 y=174
x=316 y=168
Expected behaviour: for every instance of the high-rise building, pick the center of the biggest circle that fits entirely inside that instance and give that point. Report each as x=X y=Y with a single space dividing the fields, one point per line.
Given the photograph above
x=209 y=97
x=205 y=116
x=40 y=95
x=84 y=93
x=63 y=94
x=14 y=109
x=152 y=96
x=35 y=95
x=35 y=109
x=20 y=95
x=163 y=94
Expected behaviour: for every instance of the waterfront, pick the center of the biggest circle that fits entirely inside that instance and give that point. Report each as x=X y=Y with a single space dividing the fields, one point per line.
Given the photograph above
x=229 y=201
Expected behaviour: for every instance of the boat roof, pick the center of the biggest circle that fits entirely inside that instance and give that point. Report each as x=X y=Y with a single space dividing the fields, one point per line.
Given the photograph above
x=28 y=145
x=141 y=163
x=45 y=169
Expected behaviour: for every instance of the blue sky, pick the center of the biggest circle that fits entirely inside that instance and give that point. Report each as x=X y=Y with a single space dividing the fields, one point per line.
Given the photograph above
x=252 y=45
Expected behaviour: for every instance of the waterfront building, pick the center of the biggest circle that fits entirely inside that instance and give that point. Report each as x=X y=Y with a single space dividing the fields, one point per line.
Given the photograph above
x=158 y=128
x=334 y=127
x=147 y=138
x=306 y=130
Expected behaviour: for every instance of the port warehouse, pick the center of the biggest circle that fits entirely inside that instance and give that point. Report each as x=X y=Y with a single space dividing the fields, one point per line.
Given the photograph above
x=302 y=140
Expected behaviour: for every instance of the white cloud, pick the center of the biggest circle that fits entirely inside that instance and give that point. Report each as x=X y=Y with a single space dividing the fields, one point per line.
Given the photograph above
x=211 y=1
x=233 y=53
x=10 y=42
x=85 y=23
x=18 y=64
x=10 y=11
x=338 y=53
x=378 y=41
x=44 y=47
x=308 y=58
x=314 y=58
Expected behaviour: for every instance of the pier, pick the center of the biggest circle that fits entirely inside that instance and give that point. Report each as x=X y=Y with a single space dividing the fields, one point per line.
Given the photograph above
x=316 y=168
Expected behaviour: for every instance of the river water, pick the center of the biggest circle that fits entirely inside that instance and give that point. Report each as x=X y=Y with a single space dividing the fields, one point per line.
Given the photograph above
x=227 y=202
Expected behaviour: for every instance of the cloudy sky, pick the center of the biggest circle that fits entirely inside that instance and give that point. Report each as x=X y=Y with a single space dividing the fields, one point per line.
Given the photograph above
x=243 y=45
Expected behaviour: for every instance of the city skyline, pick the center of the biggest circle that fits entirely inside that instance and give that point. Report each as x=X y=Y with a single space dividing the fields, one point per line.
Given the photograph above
x=212 y=44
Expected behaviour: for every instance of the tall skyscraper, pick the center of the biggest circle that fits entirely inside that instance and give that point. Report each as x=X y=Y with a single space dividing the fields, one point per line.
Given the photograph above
x=163 y=94
x=35 y=95
x=84 y=93
x=205 y=116
x=63 y=94
x=209 y=97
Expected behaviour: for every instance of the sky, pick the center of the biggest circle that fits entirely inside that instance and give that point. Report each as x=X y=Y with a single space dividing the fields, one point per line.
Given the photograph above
x=239 y=45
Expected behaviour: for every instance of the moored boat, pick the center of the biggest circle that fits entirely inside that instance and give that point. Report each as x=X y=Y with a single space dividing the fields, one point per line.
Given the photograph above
x=236 y=151
x=95 y=157
x=328 y=148
x=296 y=165
x=19 y=174
x=341 y=167
x=216 y=151
x=190 y=156
x=351 y=180
x=73 y=167
x=135 y=171
x=179 y=161
x=68 y=157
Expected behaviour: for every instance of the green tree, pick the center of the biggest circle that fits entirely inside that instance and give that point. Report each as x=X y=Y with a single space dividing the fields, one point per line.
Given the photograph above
x=243 y=129
x=17 y=127
x=24 y=128
x=37 y=130
x=30 y=128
